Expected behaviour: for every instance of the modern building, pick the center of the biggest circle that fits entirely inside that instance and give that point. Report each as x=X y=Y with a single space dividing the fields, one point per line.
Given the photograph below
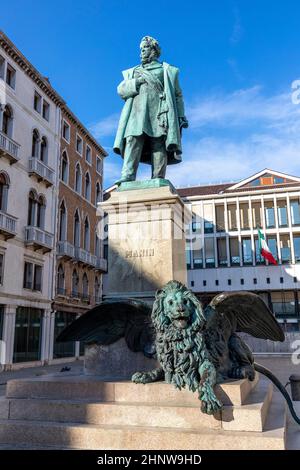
x=80 y=261
x=222 y=249
x=35 y=238
x=222 y=241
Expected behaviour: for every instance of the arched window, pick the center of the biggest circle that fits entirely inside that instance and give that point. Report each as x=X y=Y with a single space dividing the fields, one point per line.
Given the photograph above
x=32 y=203
x=4 y=185
x=98 y=193
x=64 y=167
x=78 y=179
x=44 y=150
x=97 y=244
x=85 y=286
x=86 y=241
x=41 y=210
x=62 y=222
x=97 y=290
x=76 y=238
x=87 y=190
x=60 y=280
x=7 y=122
x=35 y=144
x=75 y=283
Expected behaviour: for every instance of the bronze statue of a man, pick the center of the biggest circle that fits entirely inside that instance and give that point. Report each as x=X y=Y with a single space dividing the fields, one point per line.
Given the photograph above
x=153 y=114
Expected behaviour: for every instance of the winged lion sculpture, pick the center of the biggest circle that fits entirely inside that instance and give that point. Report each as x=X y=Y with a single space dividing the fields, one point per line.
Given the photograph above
x=195 y=347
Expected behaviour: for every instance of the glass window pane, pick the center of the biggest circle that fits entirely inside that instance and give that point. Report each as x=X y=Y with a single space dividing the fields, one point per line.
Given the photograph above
x=270 y=214
x=27 y=334
x=1 y=268
x=209 y=252
x=37 y=278
x=28 y=276
x=295 y=212
x=282 y=213
x=247 y=251
x=234 y=251
x=1 y=321
x=208 y=218
x=220 y=218
x=297 y=248
x=258 y=258
x=244 y=216
x=285 y=248
x=272 y=244
x=198 y=258
x=232 y=216
x=256 y=215
x=222 y=252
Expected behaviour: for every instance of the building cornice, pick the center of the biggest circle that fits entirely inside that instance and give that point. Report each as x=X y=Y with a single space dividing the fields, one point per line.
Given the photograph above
x=29 y=69
x=43 y=83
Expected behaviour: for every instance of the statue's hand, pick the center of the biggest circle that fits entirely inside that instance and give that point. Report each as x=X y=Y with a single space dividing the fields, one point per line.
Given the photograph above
x=183 y=122
x=140 y=81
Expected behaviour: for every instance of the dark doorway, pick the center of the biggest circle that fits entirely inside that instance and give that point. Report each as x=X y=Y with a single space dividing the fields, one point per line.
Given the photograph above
x=27 y=334
x=62 y=320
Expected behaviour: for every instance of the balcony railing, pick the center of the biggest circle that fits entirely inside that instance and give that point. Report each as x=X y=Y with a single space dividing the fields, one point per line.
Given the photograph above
x=101 y=264
x=65 y=249
x=9 y=148
x=80 y=296
x=38 y=238
x=42 y=171
x=8 y=225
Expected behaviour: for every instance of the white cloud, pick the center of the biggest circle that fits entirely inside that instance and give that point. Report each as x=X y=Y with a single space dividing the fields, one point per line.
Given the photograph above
x=217 y=160
x=231 y=136
x=237 y=30
x=245 y=106
x=106 y=127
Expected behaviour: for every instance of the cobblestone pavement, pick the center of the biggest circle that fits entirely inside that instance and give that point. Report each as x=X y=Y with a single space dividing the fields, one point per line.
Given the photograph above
x=75 y=367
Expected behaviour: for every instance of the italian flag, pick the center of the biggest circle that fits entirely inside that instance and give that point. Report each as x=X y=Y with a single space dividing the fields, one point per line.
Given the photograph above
x=264 y=249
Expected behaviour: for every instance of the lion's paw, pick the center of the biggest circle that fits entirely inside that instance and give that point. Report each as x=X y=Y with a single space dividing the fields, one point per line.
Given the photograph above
x=141 y=378
x=209 y=402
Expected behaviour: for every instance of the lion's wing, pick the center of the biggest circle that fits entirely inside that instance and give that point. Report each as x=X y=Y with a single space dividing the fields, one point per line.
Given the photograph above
x=249 y=312
x=111 y=320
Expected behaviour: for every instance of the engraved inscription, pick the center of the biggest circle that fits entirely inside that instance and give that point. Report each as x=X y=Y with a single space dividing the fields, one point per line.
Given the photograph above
x=139 y=253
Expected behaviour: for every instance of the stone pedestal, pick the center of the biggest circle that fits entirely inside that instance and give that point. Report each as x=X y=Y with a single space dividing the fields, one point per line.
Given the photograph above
x=115 y=361
x=145 y=238
x=66 y=411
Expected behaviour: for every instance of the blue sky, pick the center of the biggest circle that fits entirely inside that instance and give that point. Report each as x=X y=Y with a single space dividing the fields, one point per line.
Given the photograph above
x=237 y=60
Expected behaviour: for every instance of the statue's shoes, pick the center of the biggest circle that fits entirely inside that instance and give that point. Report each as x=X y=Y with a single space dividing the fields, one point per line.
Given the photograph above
x=124 y=180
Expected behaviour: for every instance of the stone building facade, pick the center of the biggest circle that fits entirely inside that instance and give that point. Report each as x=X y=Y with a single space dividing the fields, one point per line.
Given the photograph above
x=222 y=246
x=34 y=300
x=80 y=261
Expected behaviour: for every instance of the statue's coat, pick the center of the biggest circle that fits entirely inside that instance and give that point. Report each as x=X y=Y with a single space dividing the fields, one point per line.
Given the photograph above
x=174 y=101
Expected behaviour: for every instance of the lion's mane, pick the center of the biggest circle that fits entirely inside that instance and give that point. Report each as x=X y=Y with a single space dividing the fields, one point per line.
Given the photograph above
x=179 y=350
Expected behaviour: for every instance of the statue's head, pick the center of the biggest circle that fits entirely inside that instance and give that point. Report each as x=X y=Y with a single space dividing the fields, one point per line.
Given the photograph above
x=150 y=49
x=175 y=305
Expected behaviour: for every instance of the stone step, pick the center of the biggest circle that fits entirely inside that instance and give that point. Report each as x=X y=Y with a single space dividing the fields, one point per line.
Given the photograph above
x=107 y=437
x=234 y=392
x=114 y=413
x=250 y=416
